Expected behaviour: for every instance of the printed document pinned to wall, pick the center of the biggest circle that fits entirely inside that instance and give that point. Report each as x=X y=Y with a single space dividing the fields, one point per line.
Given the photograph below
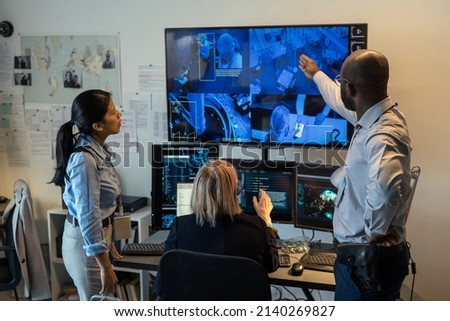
x=6 y=65
x=151 y=78
x=140 y=104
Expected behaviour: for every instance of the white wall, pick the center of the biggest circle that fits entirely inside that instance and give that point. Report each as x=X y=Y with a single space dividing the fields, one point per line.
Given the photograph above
x=414 y=35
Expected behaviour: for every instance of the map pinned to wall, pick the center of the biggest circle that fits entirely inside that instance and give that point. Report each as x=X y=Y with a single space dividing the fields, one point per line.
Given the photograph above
x=62 y=66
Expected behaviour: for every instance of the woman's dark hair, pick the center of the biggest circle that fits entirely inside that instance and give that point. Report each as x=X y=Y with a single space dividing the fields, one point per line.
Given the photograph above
x=88 y=108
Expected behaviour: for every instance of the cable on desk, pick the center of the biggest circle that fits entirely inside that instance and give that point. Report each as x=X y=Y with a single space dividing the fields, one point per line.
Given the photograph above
x=319 y=294
x=291 y=293
x=280 y=294
x=280 y=298
x=413 y=269
x=311 y=238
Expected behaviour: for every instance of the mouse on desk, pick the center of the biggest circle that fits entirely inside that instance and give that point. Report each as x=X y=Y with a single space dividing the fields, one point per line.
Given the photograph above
x=297 y=269
x=3 y=199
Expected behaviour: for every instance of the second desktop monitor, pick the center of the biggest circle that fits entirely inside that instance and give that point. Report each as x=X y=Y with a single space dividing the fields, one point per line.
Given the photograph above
x=278 y=179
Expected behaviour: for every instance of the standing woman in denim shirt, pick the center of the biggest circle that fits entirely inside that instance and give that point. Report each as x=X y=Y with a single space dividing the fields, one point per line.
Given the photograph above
x=91 y=187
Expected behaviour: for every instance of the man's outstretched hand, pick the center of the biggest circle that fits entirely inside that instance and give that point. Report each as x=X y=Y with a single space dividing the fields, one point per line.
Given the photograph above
x=308 y=66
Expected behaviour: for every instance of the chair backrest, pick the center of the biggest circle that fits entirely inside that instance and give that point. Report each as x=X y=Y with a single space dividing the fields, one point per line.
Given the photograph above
x=35 y=279
x=10 y=270
x=188 y=275
x=415 y=173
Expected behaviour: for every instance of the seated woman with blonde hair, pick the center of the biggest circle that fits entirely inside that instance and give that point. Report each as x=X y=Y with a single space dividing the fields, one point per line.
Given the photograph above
x=218 y=225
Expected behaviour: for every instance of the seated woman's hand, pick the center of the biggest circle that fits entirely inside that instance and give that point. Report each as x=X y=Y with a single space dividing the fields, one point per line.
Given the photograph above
x=263 y=206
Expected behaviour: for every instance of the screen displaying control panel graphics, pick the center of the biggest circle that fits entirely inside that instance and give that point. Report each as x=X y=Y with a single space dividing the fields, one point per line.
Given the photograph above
x=278 y=179
x=179 y=169
x=173 y=164
x=225 y=84
x=316 y=197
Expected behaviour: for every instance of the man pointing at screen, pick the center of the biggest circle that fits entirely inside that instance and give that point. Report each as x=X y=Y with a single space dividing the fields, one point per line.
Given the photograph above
x=370 y=209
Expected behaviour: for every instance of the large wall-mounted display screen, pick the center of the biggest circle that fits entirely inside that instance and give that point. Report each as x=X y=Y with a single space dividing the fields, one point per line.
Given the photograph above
x=242 y=84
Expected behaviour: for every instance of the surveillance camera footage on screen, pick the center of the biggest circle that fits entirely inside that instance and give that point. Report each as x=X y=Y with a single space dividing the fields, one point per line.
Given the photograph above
x=243 y=85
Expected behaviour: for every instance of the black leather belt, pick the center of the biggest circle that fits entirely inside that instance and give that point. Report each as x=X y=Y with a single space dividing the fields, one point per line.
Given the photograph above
x=385 y=252
x=72 y=220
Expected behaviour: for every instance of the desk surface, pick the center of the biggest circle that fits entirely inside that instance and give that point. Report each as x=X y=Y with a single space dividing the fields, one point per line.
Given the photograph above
x=139 y=262
x=309 y=279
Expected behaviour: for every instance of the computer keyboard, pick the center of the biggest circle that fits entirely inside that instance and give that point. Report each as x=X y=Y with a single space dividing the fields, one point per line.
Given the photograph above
x=320 y=261
x=143 y=249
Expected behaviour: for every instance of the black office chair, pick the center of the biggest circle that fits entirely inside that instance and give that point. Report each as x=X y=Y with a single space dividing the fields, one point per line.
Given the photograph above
x=195 y=276
x=10 y=270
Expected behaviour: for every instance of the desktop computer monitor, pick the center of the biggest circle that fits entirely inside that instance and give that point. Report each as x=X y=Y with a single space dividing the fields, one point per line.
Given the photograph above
x=316 y=196
x=277 y=178
x=174 y=163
